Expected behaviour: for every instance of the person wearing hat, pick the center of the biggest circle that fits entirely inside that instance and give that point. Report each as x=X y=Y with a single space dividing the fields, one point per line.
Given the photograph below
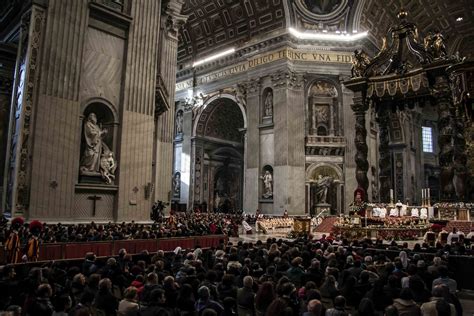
x=12 y=245
x=32 y=247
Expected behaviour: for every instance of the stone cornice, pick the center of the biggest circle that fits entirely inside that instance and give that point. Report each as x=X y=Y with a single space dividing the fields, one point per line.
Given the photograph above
x=172 y=19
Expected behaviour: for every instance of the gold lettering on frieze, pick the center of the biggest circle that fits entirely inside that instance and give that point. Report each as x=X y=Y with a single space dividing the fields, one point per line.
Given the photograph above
x=266 y=58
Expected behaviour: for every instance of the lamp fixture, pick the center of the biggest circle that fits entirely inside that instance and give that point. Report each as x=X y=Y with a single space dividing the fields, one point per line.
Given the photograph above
x=337 y=37
x=213 y=57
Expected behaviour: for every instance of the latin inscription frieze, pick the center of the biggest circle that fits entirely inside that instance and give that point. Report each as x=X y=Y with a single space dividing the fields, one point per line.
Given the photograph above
x=266 y=58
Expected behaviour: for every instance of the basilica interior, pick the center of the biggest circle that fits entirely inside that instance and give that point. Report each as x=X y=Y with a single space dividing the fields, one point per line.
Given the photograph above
x=295 y=107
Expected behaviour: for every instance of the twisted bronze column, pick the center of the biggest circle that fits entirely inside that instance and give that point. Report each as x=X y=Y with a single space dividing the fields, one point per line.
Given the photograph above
x=360 y=107
x=446 y=113
x=385 y=167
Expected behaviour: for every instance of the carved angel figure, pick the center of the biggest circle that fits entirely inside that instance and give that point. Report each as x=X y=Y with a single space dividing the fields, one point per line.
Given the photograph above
x=107 y=167
x=435 y=44
x=359 y=63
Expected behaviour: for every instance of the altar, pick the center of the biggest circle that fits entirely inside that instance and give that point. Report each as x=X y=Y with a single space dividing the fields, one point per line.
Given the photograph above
x=302 y=225
x=396 y=228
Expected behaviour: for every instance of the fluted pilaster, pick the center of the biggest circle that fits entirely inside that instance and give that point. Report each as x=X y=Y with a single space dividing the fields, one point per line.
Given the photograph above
x=164 y=110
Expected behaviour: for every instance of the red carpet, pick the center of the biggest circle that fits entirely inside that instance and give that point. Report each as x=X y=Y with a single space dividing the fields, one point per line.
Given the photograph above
x=463 y=226
x=327 y=225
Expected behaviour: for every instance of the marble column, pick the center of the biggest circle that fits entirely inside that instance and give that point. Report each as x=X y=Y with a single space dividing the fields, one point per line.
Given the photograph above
x=385 y=164
x=459 y=155
x=446 y=112
x=360 y=107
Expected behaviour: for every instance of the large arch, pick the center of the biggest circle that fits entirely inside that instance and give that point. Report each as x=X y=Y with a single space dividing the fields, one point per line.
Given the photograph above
x=218 y=136
x=207 y=107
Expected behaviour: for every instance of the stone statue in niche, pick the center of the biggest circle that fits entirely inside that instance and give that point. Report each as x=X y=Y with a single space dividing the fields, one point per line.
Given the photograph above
x=322 y=187
x=177 y=184
x=268 y=109
x=97 y=159
x=268 y=184
x=179 y=122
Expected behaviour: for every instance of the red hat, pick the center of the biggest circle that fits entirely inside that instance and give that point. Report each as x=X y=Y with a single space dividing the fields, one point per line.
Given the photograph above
x=18 y=221
x=36 y=225
x=360 y=191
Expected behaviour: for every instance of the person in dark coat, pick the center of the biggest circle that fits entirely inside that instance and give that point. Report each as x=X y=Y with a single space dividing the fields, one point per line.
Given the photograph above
x=42 y=306
x=105 y=300
x=246 y=298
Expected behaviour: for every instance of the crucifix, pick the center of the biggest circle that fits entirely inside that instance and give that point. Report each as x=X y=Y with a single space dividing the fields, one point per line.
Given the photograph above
x=94 y=198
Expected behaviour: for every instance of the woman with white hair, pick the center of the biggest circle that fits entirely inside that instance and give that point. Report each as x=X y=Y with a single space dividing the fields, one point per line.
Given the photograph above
x=404 y=259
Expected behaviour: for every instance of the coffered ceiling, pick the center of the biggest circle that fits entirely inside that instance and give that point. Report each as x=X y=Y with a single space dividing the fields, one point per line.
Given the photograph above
x=455 y=19
x=214 y=25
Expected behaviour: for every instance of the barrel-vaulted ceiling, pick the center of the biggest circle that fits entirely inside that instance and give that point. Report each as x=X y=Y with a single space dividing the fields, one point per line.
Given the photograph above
x=214 y=25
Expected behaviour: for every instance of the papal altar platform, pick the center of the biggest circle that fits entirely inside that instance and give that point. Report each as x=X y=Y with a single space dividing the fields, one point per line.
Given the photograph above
x=398 y=228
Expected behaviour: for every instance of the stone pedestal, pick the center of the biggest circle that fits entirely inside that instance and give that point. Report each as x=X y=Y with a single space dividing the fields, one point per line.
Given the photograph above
x=322 y=208
x=266 y=206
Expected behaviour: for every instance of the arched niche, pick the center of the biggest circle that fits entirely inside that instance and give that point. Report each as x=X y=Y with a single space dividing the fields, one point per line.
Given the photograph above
x=322 y=108
x=91 y=151
x=315 y=175
x=267 y=106
x=179 y=120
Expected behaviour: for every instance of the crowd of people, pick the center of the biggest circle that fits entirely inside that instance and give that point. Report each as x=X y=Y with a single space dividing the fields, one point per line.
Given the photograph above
x=303 y=277
x=22 y=240
x=177 y=225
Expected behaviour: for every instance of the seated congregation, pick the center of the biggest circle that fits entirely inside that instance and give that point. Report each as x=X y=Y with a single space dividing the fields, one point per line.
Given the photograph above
x=303 y=277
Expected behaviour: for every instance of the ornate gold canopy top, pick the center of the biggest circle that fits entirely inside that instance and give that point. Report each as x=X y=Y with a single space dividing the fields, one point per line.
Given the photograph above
x=402 y=52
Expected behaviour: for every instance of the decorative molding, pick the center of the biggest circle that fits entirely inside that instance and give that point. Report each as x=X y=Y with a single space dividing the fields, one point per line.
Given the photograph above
x=287 y=79
x=20 y=149
x=172 y=20
x=254 y=85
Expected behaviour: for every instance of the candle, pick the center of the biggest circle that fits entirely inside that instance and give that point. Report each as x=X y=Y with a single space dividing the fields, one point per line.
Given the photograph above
x=422 y=195
x=391 y=194
x=428 y=193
